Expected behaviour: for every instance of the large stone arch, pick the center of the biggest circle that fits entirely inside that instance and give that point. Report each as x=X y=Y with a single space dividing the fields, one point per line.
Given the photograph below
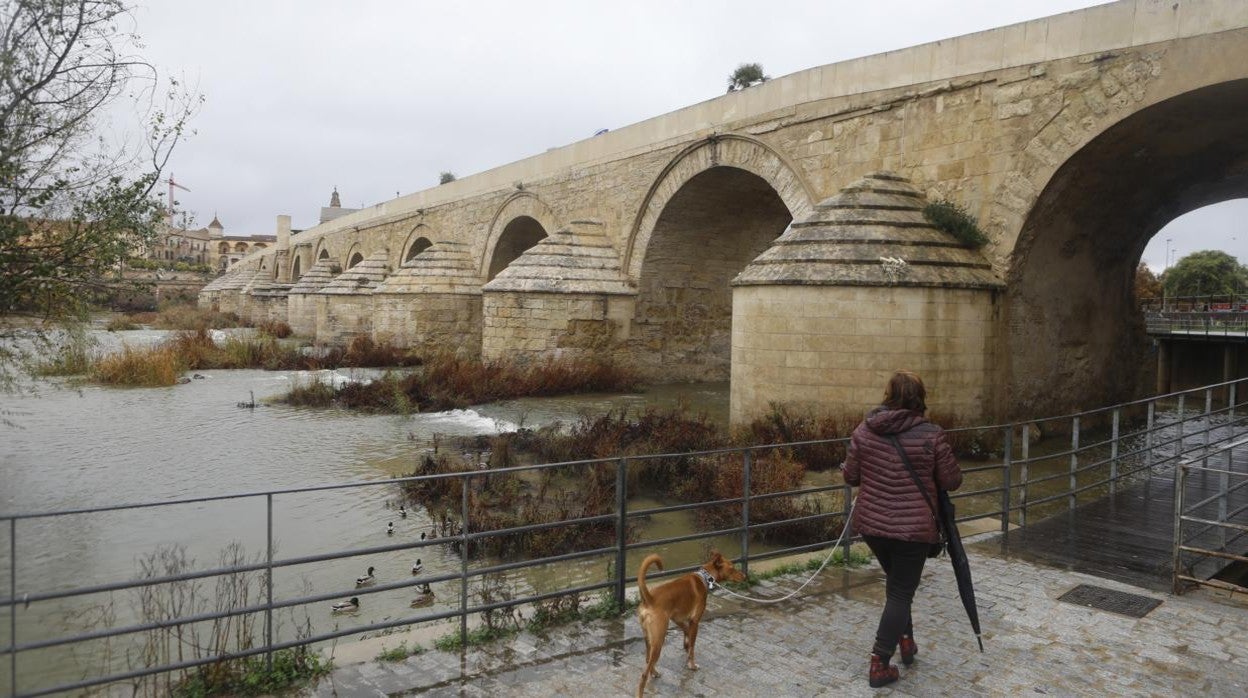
x=1072 y=335
x=515 y=217
x=726 y=150
x=418 y=239
x=720 y=204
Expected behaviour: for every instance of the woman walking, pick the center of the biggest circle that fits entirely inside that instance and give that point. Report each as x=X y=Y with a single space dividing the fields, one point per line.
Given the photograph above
x=894 y=517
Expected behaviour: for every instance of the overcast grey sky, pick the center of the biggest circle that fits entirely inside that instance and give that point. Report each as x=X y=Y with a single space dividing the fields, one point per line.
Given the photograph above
x=377 y=98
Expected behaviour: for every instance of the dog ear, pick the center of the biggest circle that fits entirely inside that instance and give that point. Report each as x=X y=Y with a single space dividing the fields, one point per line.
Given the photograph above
x=717 y=557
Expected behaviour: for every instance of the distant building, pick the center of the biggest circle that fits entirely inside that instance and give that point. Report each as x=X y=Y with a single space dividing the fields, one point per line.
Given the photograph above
x=230 y=249
x=180 y=245
x=334 y=209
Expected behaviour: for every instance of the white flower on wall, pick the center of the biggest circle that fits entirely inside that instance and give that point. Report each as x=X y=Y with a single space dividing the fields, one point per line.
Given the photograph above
x=895 y=268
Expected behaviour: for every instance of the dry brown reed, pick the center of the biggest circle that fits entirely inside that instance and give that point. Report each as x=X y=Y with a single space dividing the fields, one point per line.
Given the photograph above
x=447 y=382
x=149 y=368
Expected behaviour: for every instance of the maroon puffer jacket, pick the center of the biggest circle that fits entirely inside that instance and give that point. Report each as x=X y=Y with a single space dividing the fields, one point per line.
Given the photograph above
x=889 y=503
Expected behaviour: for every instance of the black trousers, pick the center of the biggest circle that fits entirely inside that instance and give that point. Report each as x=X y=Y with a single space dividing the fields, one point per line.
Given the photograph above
x=903 y=565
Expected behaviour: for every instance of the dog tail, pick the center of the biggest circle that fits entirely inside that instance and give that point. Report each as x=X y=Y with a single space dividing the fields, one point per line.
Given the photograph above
x=652 y=559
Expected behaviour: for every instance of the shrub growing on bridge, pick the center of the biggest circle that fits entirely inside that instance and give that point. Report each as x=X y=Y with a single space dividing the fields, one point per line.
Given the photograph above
x=955 y=220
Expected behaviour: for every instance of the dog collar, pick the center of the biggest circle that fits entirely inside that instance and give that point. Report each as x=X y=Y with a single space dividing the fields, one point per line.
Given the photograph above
x=707 y=578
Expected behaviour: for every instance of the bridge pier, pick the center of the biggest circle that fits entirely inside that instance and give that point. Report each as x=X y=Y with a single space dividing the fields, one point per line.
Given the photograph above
x=1163 y=366
x=862 y=287
x=564 y=296
x=432 y=303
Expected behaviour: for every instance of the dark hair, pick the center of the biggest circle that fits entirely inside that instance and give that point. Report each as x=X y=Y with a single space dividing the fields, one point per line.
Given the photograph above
x=905 y=391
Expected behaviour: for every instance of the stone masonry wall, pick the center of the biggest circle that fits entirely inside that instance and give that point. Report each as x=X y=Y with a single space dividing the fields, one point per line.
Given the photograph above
x=437 y=322
x=340 y=318
x=533 y=325
x=301 y=313
x=833 y=348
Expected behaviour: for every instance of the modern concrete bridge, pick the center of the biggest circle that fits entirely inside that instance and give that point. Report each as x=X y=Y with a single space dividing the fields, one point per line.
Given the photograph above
x=743 y=237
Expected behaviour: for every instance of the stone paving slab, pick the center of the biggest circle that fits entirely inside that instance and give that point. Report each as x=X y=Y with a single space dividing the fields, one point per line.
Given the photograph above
x=817 y=644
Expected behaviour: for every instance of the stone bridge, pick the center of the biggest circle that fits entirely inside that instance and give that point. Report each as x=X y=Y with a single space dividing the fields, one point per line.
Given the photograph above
x=773 y=235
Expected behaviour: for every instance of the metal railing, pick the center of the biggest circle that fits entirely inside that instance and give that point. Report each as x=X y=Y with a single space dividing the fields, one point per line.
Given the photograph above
x=1012 y=478
x=1207 y=531
x=1227 y=325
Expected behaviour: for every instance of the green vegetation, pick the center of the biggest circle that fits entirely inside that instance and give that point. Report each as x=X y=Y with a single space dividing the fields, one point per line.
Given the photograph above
x=1205 y=273
x=72 y=213
x=446 y=177
x=399 y=653
x=857 y=558
x=746 y=75
x=955 y=220
x=153 y=264
x=292 y=668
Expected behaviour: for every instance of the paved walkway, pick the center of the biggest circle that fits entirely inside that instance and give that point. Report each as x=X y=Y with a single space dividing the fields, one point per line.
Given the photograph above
x=817 y=644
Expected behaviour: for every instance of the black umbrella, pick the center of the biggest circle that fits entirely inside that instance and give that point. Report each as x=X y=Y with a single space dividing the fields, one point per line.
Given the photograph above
x=957 y=557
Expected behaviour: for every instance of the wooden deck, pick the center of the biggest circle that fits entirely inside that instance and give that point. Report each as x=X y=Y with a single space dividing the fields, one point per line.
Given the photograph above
x=1129 y=537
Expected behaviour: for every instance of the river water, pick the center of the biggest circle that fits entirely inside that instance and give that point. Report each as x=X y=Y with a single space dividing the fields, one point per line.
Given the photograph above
x=77 y=446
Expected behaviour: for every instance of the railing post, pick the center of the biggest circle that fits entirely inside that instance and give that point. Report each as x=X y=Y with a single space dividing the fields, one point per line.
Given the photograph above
x=1113 y=452
x=1148 y=437
x=1182 y=429
x=463 y=563
x=621 y=528
x=1023 y=475
x=847 y=500
x=1208 y=424
x=13 y=607
x=1180 y=486
x=746 y=466
x=268 y=576
x=1074 y=461
x=1225 y=482
x=1005 y=479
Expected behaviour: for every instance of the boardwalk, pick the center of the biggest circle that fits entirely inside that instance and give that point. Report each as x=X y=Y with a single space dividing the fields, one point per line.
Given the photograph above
x=817 y=644
x=1128 y=537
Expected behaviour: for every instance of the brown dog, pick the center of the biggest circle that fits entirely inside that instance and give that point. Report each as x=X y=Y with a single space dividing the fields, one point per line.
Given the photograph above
x=682 y=601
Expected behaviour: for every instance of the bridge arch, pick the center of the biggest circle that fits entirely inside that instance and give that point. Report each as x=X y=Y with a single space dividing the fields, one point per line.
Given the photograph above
x=726 y=150
x=719 y=205
x=354 y=256
x=296 y=268
x=521 y=222
x=418 y=240
x=1071 y=271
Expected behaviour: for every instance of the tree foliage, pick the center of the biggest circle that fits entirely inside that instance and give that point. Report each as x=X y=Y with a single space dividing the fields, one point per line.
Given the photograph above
x=745 y=75
x=446 y=177
x=1205 y=273
x=73 y=206
x=1146 y=286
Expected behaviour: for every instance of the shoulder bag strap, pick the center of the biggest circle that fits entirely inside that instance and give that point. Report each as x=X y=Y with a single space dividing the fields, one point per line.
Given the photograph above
x=914 y=476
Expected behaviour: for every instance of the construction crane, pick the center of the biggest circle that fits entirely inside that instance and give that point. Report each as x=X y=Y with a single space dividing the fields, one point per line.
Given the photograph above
x=172 y=183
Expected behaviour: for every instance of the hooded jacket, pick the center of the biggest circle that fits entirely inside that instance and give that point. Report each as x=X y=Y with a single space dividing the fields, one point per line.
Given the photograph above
x=889 y=504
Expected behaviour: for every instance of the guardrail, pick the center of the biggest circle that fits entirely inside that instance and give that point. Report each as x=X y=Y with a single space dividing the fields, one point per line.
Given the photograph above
x=1228 y=325
x=1010 y=479
x=1217 y=532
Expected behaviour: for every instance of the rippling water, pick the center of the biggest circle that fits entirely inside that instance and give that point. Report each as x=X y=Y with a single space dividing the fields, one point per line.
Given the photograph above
x=90 y=446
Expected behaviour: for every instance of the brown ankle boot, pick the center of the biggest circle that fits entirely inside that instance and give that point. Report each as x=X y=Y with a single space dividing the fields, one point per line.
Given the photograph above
x=908 y=649
x=882 y=673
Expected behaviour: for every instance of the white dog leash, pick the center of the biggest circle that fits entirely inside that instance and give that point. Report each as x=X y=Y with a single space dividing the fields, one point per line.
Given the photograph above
x=826 y=560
